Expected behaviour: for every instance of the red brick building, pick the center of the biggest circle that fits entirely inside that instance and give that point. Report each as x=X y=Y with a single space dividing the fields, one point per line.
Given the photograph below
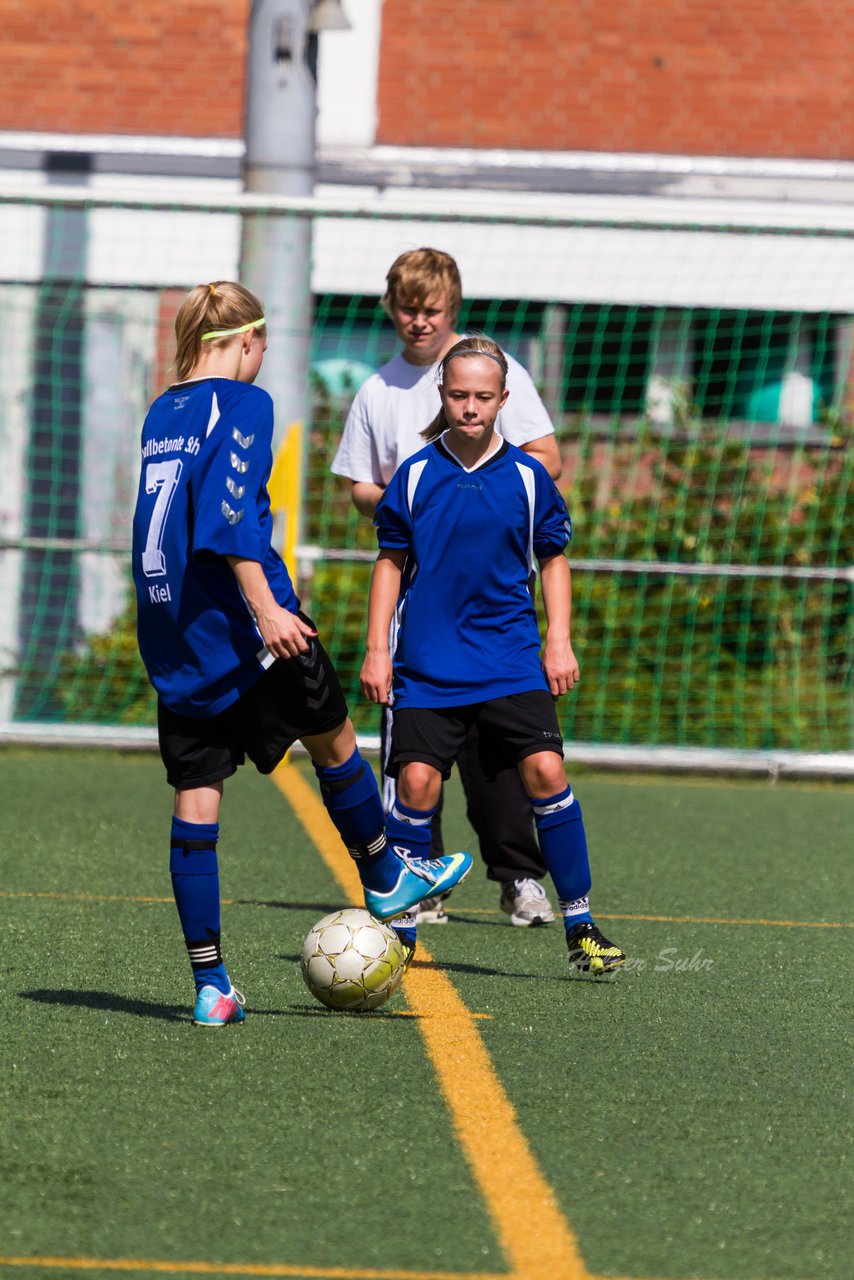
x=172 y=68
x=675 y=77
x=602 y=115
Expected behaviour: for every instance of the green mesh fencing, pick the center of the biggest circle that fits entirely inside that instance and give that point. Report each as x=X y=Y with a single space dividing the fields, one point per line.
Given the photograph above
x=706 y=451
x=711 y=603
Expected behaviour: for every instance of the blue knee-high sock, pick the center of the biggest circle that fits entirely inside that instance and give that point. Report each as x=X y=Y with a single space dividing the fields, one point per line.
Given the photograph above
x=195 y=883
x=409 y=831
x=560 y=831
x=352 y=799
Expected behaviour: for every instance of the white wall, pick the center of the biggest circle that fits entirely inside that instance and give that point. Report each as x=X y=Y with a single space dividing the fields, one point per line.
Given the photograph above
x=119 y=355
x=17 y=311
x=598 y=254
x=347 y=78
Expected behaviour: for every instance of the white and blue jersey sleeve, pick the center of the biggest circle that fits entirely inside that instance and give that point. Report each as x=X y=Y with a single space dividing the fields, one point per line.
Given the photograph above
x=552 y=524
x=202 y=497
x=466 y=623
x=226 y=485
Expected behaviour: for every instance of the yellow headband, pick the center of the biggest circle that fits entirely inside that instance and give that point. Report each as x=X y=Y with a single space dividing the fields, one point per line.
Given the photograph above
x=228 y=333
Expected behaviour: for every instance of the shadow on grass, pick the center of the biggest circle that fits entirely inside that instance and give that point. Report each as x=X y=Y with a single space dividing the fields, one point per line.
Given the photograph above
x=111 y=1003
x=321 y=1011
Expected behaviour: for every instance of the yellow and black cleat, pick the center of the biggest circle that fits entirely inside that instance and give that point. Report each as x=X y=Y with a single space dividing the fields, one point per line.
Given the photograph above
x=591 y=952
x=408 y=953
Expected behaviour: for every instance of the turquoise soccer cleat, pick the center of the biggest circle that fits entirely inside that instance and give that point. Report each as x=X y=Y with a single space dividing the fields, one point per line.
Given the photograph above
x=419 y=878
x=215 y=1009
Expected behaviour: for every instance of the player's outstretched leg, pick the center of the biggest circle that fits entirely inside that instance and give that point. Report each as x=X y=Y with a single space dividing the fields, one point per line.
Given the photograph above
x=560 y=830
x=195 y=883
x=420 y=876
x=394 y=872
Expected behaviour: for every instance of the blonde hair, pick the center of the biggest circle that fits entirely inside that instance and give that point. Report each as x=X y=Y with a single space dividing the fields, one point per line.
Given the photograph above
x=473 y=344
x=223 y=304
x=420 y=275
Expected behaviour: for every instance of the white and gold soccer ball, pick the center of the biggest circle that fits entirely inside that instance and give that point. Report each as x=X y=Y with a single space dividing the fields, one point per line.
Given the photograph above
x=352 y=961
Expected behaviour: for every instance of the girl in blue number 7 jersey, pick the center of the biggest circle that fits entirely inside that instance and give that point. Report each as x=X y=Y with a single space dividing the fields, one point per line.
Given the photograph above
x=460 y=526
x=238 y=670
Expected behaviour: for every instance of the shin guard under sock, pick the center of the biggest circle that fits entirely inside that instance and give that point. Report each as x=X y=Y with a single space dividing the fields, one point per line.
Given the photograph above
x=195 y=884
x=410 y=834
x=560 y=831
x=352 y=799
x=409 y=831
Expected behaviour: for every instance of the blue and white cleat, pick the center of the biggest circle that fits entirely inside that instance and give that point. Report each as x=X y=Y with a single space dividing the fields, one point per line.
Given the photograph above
x=419 y=878
x=215 y=1009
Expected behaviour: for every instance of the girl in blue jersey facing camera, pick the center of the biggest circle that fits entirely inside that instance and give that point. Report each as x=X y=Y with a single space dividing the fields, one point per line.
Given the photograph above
x=238 y=670
x=459 y=527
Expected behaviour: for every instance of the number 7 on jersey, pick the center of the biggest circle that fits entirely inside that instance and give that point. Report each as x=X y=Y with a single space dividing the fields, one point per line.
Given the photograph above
x=160 y=478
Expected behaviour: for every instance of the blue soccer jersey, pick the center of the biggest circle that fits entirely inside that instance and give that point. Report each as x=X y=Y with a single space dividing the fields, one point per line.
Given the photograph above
x=206 y=458
x=467 y=626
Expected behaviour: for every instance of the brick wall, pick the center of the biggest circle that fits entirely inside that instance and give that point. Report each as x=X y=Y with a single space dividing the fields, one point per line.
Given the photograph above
x=173 y=67
x=739 y=78
x=742 y=77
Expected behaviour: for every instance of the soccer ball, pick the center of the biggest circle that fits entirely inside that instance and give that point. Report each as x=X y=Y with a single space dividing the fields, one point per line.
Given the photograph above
x=352 y=961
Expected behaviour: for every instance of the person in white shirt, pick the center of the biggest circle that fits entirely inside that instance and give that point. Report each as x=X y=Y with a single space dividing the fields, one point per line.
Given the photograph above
x=422 y=299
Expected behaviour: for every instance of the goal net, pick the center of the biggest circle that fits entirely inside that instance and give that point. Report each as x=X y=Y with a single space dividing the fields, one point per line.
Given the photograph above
x=699 y=377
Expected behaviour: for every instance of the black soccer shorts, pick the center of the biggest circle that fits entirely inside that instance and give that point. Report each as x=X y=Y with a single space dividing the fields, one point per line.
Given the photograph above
x=294 y=697
x=509 y=729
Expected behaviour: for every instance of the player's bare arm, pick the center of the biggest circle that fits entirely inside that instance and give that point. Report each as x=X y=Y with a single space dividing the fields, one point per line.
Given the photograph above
x=283 y=632
x=366 y=495
x=376 y=674
x=559 y=663
x=545 y=450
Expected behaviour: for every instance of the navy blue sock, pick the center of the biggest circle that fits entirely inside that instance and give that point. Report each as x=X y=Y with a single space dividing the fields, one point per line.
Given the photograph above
x=195 y=883
x=410 y=830
x=560 y=831
x=352 y=799
x=408 y=836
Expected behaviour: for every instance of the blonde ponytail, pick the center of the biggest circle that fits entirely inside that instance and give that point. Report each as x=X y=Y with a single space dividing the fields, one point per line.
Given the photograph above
x=209 y=308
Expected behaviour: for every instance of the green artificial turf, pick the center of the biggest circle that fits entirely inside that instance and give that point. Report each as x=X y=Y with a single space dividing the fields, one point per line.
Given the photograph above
x=690 y=1112
x=690 y=1115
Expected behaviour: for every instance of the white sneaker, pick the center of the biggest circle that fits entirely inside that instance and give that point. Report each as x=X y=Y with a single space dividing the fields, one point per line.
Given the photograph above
x=525 y=902
x=431 y=911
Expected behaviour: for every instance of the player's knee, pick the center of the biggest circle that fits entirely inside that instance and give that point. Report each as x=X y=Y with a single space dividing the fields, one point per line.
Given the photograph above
x=419 y=785
x=543 y=774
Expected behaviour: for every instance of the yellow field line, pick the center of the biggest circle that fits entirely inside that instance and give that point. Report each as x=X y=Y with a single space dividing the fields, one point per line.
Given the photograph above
x=158 y=1265
x=79 y=897
x=534 y=1235
x=634 y=915
x=776 y=924
x=469 y=911
x=243 y=1269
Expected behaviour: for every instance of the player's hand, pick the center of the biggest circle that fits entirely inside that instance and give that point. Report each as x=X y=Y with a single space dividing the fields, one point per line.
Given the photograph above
x=560 y=667
x=375 y=678
x=284 y=634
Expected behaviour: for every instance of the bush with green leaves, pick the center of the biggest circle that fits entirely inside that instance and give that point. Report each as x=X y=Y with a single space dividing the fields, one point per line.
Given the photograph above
x=685 y=658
